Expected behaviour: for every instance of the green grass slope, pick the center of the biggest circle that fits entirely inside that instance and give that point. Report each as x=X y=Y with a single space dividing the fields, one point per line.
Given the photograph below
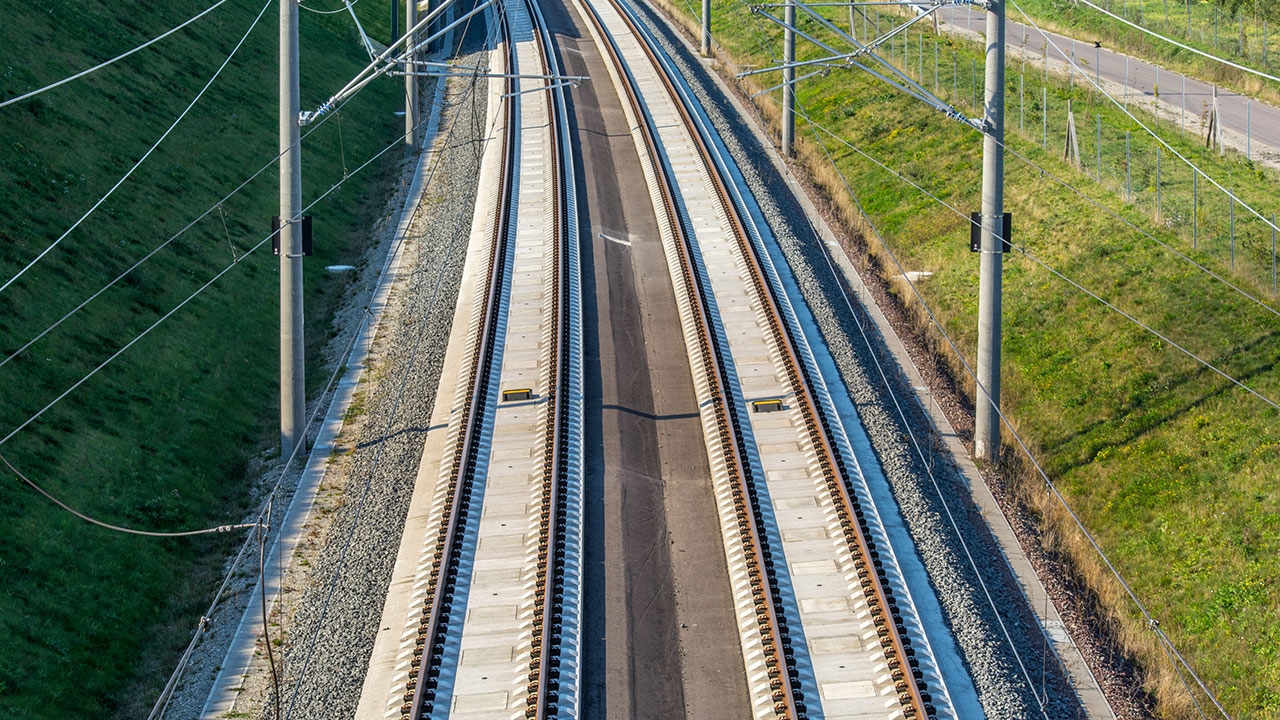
x=161 y=438
x=1171 y=466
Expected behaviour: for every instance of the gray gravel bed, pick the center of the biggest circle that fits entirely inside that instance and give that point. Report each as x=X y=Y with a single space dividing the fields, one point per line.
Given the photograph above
x=332 y=622
x=1002 y=687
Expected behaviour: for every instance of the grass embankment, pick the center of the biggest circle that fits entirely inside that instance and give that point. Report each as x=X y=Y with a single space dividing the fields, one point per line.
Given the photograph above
x=1248 y=35
x=91 y=621
x=1171 y=467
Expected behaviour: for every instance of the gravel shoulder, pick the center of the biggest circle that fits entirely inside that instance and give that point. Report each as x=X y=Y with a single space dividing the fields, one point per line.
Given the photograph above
x=322 y=630
x=334 y=601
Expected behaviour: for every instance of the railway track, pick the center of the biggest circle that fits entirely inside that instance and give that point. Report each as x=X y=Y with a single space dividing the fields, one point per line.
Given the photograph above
x=827 y=625
x=499 y=616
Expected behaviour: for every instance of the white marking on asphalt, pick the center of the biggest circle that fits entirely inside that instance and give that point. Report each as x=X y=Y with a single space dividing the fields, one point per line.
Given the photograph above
x=610 y=238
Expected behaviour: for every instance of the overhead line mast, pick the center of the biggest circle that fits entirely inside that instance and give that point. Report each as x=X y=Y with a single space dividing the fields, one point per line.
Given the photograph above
x=986 y=439
x=410 y=75
x=293 y=398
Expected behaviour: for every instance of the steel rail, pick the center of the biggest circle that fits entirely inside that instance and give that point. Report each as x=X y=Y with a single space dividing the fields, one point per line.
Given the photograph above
x=899 y=655
x=544 y=663
x=429 y=650
x=544 y=658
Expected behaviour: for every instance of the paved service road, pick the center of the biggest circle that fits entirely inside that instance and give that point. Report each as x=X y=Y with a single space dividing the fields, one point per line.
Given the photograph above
x=1140 y=77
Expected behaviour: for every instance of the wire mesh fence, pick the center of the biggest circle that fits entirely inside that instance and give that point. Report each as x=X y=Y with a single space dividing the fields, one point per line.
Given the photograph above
x=1221 y=212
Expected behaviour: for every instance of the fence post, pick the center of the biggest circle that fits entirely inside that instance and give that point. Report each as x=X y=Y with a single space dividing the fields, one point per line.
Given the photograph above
x=1126 y=81
x=1099 y=148
x=1231 y=191
x=1195 y=208
x=1071 y=153
x=1128 y=176
x=1273 y=256
x=1022 y=105
x=1158 y=149
x=974 y=76
x=1248 y=143
x=1044 y=117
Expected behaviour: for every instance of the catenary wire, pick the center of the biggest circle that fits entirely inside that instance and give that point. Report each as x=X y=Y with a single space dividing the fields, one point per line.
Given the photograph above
x=1183 y=46
x=219 y=529
x=163 y=245
x=1120 y=106
x=902 y=413
x=117 y=58
x=972 y=562
x=953 y=114
x=163 y=701
x=1257 y=301
x=1208 y=365
x=188 y=299
x=1079 y=523
x=145 y=155
x=911 y=432
x=343 y=9
x=1134 y=226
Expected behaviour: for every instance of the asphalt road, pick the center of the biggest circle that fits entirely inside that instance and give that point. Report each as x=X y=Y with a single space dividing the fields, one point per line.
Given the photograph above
x=660 y=638
x=1238 y=115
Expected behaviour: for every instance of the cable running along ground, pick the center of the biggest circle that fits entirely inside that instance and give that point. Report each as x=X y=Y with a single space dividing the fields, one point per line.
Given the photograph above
x=117 y=528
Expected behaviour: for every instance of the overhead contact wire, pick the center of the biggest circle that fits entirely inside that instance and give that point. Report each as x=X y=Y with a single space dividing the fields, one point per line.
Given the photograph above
x=145 y=155
x=1053 y=488
x=160 y=247
x=1183 y=46
x=1208 y=365
x=189 y=298
x=113 y=60
x=964 y=545
x=1119 y=105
